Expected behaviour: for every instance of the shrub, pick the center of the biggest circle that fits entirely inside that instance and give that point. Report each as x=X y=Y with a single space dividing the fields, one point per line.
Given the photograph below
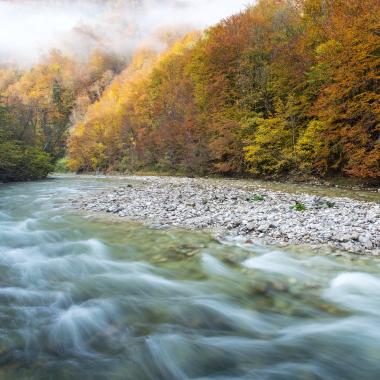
x=22 y=163
x=62 y=165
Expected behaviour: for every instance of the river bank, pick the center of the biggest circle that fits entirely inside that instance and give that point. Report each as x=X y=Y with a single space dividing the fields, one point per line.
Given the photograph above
x=243 y=210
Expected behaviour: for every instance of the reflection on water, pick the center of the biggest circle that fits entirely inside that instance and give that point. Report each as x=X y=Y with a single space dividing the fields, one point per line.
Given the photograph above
x=92 y=298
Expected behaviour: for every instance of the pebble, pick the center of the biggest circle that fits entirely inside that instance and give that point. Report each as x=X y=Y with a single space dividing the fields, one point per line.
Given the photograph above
x=229 y=206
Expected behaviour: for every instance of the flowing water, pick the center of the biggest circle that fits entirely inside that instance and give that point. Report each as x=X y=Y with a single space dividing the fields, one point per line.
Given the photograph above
x=86 y=297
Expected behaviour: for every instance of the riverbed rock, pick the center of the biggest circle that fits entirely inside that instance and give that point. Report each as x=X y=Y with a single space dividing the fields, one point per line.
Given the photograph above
x=229 y=206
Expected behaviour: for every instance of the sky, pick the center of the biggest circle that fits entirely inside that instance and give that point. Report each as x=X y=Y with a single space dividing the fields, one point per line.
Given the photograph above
x=30 y=28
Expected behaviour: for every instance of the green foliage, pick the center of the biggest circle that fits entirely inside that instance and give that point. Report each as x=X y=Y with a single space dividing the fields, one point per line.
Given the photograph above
x=62 y=166
x=258 y=198
x=21 y=163
x=300 y=207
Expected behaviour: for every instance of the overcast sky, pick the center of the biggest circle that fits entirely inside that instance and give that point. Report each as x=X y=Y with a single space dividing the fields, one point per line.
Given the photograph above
x=30 y=28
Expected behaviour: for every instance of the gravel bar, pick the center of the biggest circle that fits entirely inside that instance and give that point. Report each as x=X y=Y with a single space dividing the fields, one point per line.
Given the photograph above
x=240 y=210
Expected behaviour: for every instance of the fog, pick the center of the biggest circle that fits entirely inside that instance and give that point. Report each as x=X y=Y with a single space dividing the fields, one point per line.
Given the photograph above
x=30 y=28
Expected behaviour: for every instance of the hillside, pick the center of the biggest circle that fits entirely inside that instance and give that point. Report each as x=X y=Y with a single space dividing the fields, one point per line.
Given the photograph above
x=283 y=88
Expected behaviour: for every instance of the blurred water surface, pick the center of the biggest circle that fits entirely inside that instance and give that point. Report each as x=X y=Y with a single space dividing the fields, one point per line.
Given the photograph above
x=85 y=297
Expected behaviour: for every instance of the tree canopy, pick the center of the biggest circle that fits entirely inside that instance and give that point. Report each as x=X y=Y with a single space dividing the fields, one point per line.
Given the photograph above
x=284 y=88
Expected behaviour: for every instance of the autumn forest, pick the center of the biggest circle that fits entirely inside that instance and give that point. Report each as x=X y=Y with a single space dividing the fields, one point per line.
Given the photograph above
x=286 y=88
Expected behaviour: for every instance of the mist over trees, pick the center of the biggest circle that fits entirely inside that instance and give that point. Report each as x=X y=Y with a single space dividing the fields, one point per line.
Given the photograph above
x=283 y=88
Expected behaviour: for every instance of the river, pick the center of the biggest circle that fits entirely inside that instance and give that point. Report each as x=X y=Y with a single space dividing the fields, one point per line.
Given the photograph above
x=91 y=297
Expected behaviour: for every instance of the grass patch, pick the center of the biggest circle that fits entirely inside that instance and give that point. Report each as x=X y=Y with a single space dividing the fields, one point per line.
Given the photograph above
x=298 y=206
x=258 y=198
